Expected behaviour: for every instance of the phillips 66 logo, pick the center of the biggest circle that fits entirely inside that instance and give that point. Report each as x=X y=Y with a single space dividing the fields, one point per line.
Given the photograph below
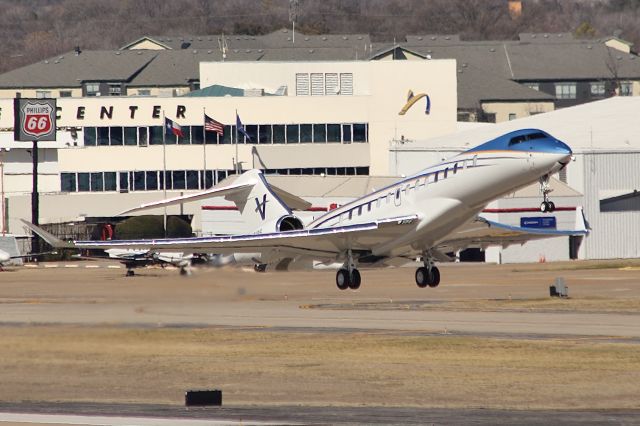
x=37 y=119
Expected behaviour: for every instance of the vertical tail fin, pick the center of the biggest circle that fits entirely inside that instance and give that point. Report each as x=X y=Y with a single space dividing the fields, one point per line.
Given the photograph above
x=261 y=209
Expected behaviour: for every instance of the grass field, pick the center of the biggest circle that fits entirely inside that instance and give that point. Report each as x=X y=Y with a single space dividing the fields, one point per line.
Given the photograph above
x=102 y=364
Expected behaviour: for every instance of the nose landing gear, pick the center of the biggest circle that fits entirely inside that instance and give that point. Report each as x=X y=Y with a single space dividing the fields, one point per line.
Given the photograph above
x=546 y=206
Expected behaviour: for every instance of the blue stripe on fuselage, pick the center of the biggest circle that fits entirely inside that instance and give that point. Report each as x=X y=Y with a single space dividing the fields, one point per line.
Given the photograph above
x=529 y=140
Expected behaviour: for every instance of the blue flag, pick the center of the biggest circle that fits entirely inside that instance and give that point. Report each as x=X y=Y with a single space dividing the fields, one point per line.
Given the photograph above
x=241 y=128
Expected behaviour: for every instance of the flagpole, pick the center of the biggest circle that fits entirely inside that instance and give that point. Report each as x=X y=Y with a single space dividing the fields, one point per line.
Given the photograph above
x=164 y=171
x=204 y=149
x=237 y=162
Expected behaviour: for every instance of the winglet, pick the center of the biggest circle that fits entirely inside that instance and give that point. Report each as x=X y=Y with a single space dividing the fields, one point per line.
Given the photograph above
x=49 y=238
x=581 y=221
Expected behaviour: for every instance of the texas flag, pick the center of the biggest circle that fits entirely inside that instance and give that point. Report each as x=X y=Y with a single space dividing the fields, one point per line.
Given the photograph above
x=172 y=128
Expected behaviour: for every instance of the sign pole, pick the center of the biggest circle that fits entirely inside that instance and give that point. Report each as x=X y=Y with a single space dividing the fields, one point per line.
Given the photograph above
x=35 y=199
x=34 y=120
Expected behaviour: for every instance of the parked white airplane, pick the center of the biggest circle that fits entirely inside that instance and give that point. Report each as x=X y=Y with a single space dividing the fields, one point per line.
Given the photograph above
x=6 y=257
x=132 y=259
x=424 y=215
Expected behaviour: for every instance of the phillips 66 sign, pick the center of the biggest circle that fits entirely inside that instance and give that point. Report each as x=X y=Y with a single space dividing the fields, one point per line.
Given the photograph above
x=35 y=119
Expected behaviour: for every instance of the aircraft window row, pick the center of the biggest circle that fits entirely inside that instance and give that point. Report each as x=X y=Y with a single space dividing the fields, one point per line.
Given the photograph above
x=397 y=194
x=154 y=180
x=257 y=134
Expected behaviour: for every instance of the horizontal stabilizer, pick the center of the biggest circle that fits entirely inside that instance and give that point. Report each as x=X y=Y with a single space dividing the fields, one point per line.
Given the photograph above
x=292 y=201
x=51 y=239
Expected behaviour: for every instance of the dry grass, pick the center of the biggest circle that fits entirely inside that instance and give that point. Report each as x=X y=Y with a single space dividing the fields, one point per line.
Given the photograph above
x=67 y=363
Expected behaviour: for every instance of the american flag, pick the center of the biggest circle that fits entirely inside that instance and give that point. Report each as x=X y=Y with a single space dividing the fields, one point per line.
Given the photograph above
x=211 y=125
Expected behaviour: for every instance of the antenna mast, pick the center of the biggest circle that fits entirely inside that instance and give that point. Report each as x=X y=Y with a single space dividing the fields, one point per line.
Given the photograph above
x=293 y=17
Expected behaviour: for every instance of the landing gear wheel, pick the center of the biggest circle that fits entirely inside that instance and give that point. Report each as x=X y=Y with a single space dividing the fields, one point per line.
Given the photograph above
x=434 y=278
x=422 y=277
x=260 y=267
x=355 y=281
x=547 y=206
x=342 y=279
x=130 y=273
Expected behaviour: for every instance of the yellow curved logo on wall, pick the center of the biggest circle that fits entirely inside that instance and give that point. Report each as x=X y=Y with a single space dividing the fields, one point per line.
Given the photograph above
x=412 y=99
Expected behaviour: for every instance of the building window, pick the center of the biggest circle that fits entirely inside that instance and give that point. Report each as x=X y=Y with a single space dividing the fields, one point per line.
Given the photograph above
x=89 y=136
x=359 y=132
x=65 y=93
x=144 y=92
x=302 y=84
x=68 y=182
x=565 y=90
x=626 y=88
x=534 y=86
x=92 y=89
x=512 y=116
x=597 y=88
x=40 y=94
x=115 y=90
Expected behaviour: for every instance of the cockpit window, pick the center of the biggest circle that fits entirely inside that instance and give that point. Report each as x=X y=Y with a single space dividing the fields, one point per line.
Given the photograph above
x=518 y=139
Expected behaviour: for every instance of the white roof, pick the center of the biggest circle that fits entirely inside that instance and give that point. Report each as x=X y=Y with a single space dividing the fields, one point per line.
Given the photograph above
x=609 y=125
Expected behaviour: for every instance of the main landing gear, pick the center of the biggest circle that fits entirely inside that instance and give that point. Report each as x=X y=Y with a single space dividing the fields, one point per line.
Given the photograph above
x=428 y=275
x=348 y=276
x=546 y=206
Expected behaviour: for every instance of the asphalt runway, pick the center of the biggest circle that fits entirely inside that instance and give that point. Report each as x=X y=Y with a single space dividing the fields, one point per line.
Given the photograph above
x=233 y=298
x=388 y=302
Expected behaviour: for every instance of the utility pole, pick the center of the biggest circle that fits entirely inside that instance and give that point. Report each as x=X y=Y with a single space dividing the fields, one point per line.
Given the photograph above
x=35 y=198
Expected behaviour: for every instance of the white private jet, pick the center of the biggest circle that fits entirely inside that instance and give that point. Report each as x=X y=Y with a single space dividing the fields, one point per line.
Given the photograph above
x=426 y=215
x=132 y=259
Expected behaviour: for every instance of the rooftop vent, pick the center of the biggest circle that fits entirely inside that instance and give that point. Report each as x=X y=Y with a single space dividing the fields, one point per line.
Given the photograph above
x=284 y=30
x=589 y=46
x=310 y=50
x=434 y=38
x=194 y=51
x=345 y=38
x=56 y=61
x=288 y=38
x=447 y=38
x=419 y=37
x=118 y=53
x=235 y=50
x=209 y=52
x=199 y=38
x=492 y=49
x=248 y=51
x=306 y=38
x=359 y=37
x=546 y=36
x=139 y=52
x=260 y=50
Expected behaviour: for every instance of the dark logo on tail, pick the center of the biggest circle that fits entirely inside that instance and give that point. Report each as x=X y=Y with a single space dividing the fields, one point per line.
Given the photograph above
x=261 y=207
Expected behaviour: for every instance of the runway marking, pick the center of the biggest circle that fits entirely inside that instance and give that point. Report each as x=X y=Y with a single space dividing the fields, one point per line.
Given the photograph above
x=113 y=267
x=70 y=266
x=120 y=421
x=51 y=266
x=92 y=266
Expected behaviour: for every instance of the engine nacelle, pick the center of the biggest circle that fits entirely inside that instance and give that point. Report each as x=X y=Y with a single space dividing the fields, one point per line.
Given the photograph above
x=289 y=223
